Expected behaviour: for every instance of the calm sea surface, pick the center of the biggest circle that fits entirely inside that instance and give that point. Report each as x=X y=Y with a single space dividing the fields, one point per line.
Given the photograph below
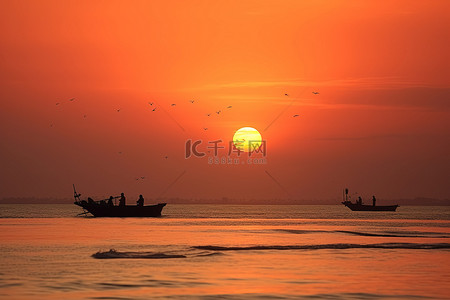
x=225 y=252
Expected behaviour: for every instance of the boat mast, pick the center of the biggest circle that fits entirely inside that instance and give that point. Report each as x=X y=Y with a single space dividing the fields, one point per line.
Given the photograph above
x=77 y=199
x=75 y=194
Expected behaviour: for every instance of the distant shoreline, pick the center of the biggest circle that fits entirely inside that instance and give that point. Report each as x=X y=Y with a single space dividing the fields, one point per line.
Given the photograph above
x=401 y=202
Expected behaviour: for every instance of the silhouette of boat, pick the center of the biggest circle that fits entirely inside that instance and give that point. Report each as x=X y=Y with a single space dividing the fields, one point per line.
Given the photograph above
x=103 y=209
x=363 y=207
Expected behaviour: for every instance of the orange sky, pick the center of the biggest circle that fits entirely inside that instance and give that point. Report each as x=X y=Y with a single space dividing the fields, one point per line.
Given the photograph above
x=380 y=124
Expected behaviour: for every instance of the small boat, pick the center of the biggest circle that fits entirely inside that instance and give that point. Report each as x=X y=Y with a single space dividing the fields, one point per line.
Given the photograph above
x=363 y=207
x=103 y=209
x=358 y=206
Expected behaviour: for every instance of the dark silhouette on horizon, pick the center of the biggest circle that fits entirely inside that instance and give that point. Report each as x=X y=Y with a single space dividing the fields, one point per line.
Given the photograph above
x=140 y=201
x=122 y=199
x=106 y=207
x=358 y=206
x=359 y=202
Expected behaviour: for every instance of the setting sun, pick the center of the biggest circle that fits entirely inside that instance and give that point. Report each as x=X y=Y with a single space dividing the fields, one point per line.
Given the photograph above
x=247 y=139
x=134 y=166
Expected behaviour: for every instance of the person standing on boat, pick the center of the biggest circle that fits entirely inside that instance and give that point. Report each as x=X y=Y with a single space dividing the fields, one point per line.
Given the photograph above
x=110 y=201
x=140 y=201
x=359 y=202
x=374 y=200
x=122 y=200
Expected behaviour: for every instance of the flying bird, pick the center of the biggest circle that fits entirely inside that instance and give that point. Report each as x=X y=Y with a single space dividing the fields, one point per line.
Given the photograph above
x=151 y=103
x=208 y=115
x=166 y=157
x=173 y=104
x=286 y=95
x=154 y=109
x=71 y=99
x=84 y=116
x=205 y=128
x=57 y=103
x=142 y=177
x=230 y=106
x=192 y=101
x=118 y=110
x=316 y=93
x=295 y=116
x=218 y=112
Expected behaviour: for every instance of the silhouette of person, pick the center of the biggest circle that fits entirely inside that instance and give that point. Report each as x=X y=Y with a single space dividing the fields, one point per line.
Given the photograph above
x=140 y=201
x=359 y=200
x=110 y=201
x=374 y=200
x=122 y=200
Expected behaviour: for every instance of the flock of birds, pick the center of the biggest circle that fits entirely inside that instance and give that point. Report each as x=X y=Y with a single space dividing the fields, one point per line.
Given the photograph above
x=153 y=108
x=192 y=101
x=218 y=112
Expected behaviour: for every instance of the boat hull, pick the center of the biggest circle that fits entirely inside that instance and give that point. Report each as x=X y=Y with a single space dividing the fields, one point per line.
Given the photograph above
x=102 y=210
x=362 y=207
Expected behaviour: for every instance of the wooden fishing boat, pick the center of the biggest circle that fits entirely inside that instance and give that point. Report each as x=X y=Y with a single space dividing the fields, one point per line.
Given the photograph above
x=104 y=209
x=363 y=207
x=358 y=206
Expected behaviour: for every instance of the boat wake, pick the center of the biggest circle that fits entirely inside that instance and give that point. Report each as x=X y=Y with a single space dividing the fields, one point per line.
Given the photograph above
x=113 y=254
x=148 y=255
x=328 y=246
x=212 y=250
x=408 y=234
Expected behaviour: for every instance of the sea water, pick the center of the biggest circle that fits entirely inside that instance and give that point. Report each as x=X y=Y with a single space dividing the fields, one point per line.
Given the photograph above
x=226 y=252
